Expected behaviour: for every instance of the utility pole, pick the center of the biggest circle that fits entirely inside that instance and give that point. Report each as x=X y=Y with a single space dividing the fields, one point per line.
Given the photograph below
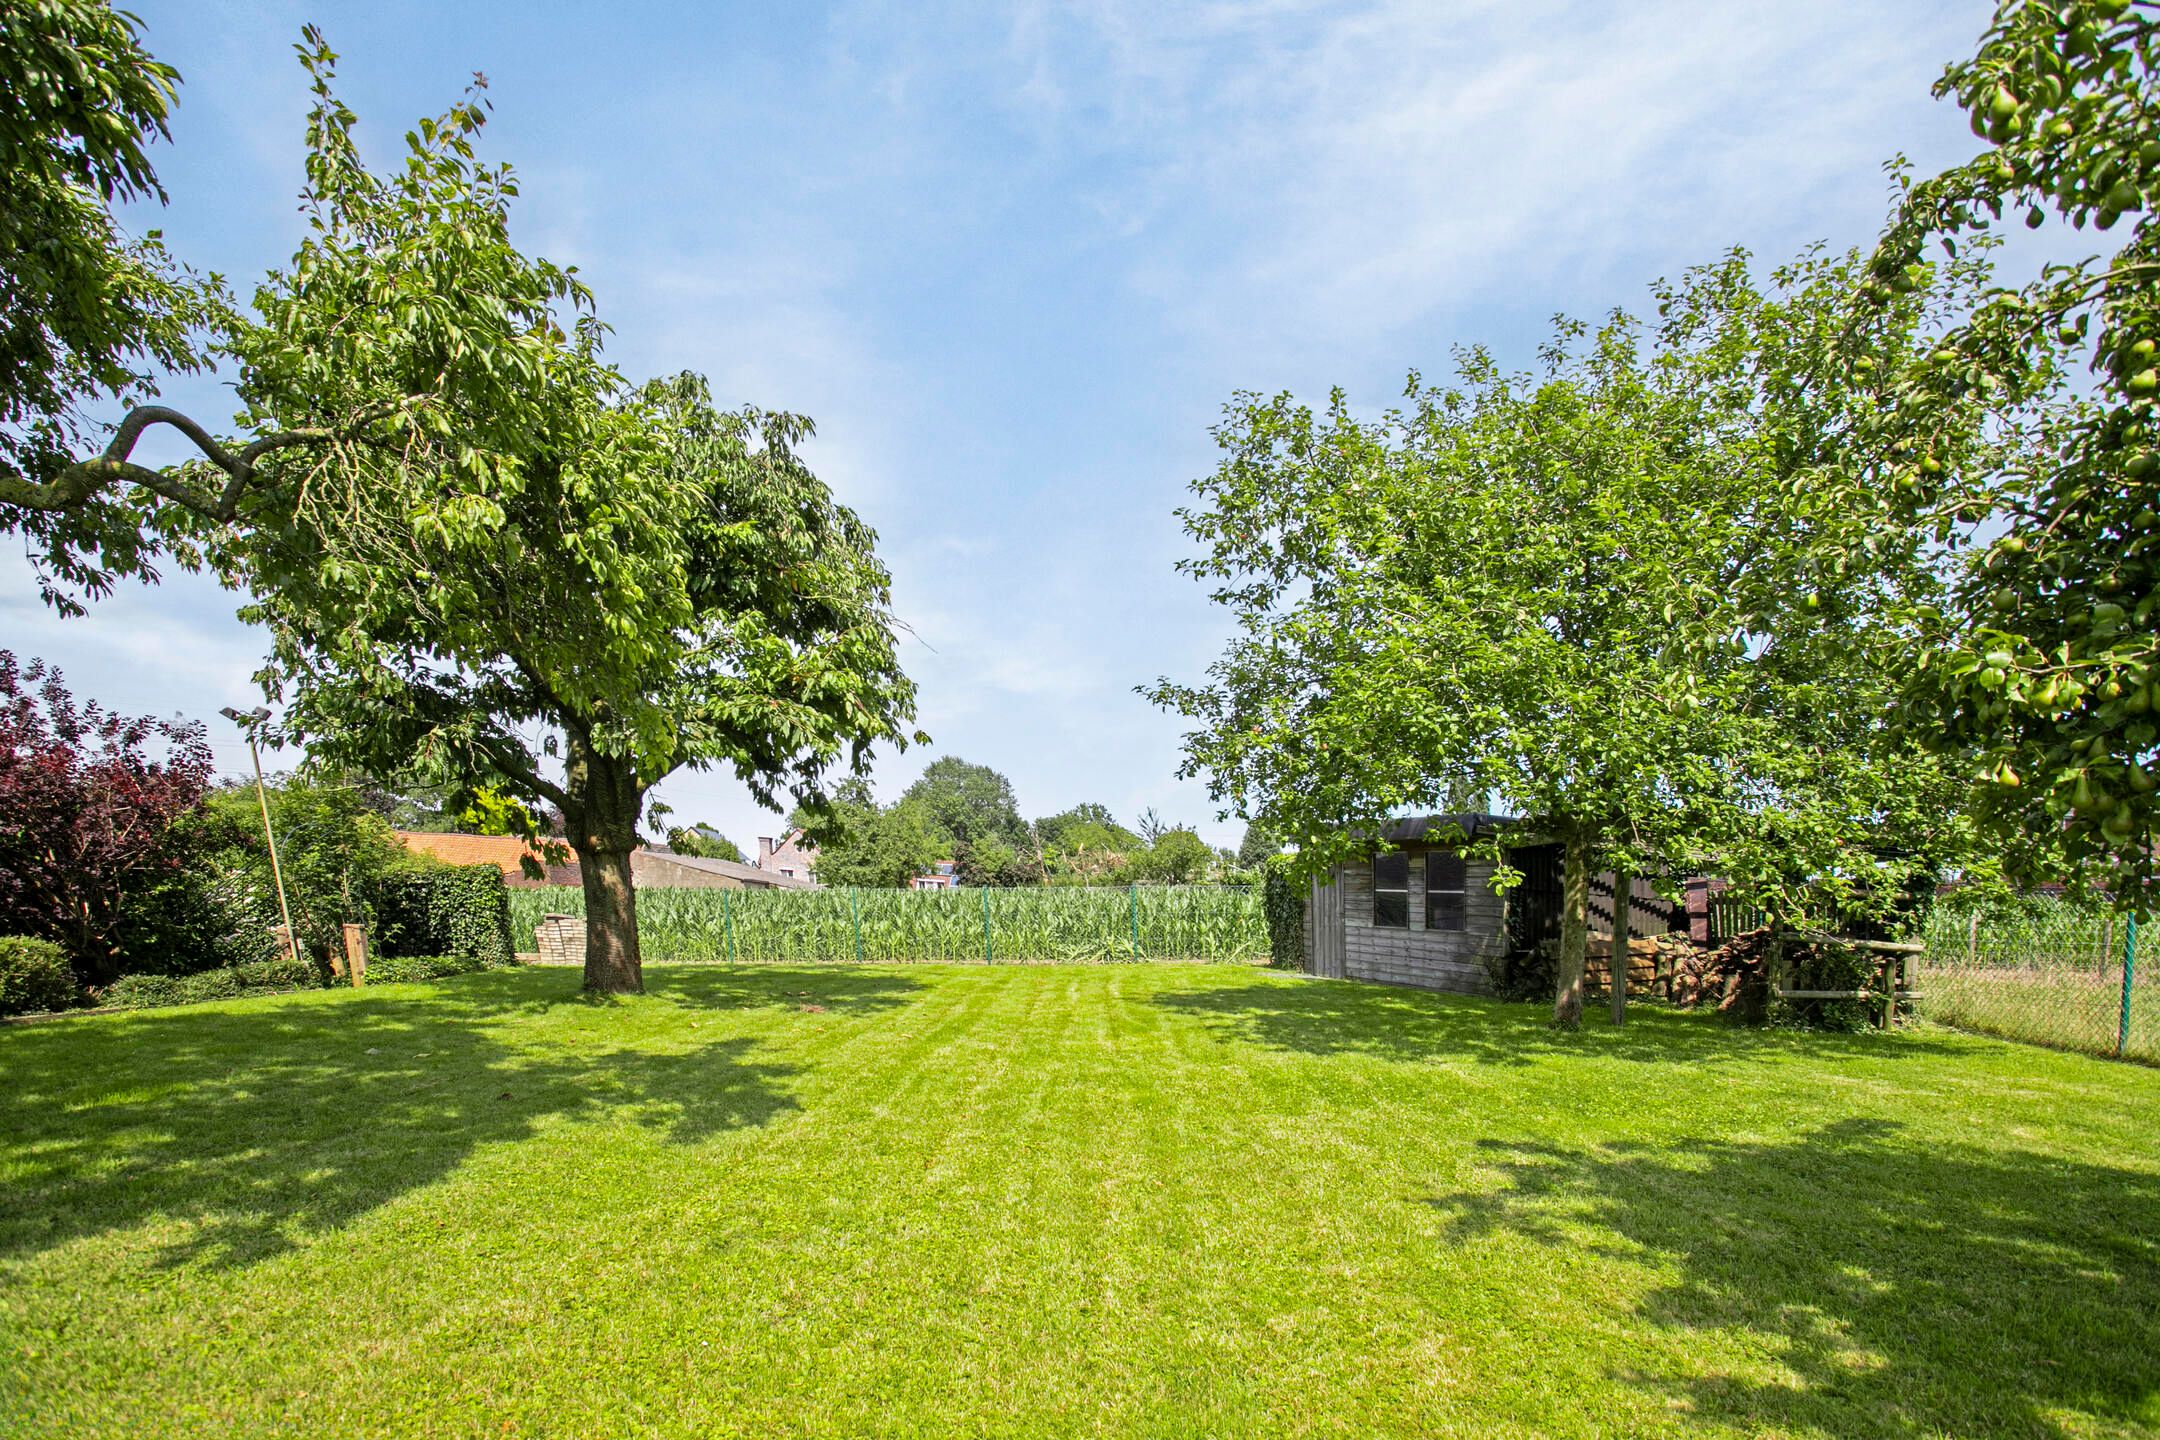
x=247 y=722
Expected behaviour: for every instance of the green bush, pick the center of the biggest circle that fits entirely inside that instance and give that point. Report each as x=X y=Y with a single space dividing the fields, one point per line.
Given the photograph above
x=1283 y=902
x=395 y=969
x=34 y=976
x=260 y=977
x=443 y=910
x=1829 y=967
x=1532 y=975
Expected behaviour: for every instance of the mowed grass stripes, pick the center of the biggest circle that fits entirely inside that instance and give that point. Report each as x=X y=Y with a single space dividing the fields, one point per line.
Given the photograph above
x=1049 y=1201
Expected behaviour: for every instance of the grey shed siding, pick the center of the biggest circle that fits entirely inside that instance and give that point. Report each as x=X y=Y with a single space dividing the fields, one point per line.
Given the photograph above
x=1432 y=959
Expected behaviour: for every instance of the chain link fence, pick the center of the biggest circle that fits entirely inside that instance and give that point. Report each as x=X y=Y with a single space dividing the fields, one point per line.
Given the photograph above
x=1049 y=925
x=2059 y=975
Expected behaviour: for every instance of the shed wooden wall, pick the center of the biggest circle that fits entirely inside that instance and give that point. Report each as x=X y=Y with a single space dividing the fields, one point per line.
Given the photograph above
x=1433 y=959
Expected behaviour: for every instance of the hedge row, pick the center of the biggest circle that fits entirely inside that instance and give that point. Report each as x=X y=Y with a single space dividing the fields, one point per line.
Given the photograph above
x=451 y=910
x=395 y=969
x=262 y=977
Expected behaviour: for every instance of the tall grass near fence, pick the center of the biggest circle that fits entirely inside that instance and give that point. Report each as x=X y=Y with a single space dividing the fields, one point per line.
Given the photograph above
x=2049 y=972
x=1020 y=926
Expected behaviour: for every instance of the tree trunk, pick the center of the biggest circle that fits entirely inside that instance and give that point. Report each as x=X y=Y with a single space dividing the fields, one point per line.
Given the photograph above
x=602 y=816
x=1574 y=934
x=613 y=965
x=1617 y=971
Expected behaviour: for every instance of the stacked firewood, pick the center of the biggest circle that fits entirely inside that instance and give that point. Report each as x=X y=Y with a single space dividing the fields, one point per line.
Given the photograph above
x=1643 y=963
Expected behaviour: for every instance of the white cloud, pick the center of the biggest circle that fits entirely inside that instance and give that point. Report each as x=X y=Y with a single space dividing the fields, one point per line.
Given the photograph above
x=1330 y=173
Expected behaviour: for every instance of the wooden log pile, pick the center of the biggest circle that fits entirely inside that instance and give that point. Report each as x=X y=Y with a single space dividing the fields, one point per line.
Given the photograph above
x=1643 y=968
x=1734 y=977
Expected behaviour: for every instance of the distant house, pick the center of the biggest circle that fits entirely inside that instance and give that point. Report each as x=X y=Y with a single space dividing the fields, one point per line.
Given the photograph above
x=649 y=869
x=790 y=855
x=942 y=876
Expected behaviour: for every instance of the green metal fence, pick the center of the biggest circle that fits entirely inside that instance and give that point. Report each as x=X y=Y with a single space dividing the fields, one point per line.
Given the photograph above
x=2061 y=975
x=1019 y=926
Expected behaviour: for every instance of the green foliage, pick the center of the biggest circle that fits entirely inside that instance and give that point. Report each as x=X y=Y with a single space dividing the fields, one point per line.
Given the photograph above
x=461 y=910
x=1258 y=845
x=2046 y=659
x=966 y=804
x=529 y=545
x=1484 y=591
x=993 y=862
x=262 y=977
x=92 y=315
x=333 y=848
x=1033 y=925
x=1178 y=857
x=1090 y=819
x=1282 y=902
x=1531 y=975
x=208 y=908
x=1086 y=846
x=860 y=844
x=700 y=841
x=397 y=969
x=1830 y=967
x=34 y=976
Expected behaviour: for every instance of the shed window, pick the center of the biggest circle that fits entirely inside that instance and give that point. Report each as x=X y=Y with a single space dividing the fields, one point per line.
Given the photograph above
x=1447 y=881
x=1391 y=890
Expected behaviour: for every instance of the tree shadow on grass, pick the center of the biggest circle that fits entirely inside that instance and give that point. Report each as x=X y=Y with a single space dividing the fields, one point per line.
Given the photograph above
x=843 y=988
x=1910 y=1289
x=261 y=1124
x=1391 y=1022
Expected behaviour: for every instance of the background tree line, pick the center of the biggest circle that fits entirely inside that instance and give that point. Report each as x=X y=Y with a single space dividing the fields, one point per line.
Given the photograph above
x=967 y=814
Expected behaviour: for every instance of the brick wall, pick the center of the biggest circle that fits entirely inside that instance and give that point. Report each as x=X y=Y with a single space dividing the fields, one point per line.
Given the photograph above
x=501 y=851
x=561 y=939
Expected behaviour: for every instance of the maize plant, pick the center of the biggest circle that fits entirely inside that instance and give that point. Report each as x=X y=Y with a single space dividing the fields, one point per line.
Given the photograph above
x=1063 y=925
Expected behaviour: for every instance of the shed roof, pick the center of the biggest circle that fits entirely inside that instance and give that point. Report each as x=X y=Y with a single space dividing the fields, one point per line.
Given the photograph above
x=1443 y=829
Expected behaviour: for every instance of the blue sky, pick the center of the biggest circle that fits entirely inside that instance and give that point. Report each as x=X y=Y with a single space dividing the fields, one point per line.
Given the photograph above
x=1014 y=258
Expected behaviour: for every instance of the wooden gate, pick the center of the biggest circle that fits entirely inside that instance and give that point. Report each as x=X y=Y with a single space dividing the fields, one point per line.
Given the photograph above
x=1325 y=908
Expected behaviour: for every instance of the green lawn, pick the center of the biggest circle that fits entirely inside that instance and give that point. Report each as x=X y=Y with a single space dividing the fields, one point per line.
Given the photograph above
x=1050 y=1201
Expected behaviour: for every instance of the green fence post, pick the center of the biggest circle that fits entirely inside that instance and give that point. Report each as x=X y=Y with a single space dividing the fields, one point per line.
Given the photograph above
x=855 y=912
x=1133 y=893
x=2122 y=1032
x=727 y=923
x=986 y=924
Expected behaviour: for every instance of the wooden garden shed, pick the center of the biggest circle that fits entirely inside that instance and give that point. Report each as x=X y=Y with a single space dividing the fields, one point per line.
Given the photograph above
x=1419 y=911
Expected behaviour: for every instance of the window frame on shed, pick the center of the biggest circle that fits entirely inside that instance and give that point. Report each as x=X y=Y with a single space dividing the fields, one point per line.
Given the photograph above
x=1447 y=906
x=1396 y=861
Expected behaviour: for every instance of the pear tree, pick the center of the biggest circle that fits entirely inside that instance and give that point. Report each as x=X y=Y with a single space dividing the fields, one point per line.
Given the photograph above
x=2045 y=662
x=1624 y=595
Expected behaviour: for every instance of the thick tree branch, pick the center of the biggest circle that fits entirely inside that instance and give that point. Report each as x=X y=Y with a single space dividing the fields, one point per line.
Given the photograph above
x=506 y=758
x=73 y=487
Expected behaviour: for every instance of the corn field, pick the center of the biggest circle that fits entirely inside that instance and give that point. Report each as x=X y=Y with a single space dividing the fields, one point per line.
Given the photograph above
x=2053 y=976
x=1060 y=925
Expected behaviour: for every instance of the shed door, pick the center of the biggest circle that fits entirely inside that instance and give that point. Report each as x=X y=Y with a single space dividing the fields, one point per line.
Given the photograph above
x=1327 y=928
